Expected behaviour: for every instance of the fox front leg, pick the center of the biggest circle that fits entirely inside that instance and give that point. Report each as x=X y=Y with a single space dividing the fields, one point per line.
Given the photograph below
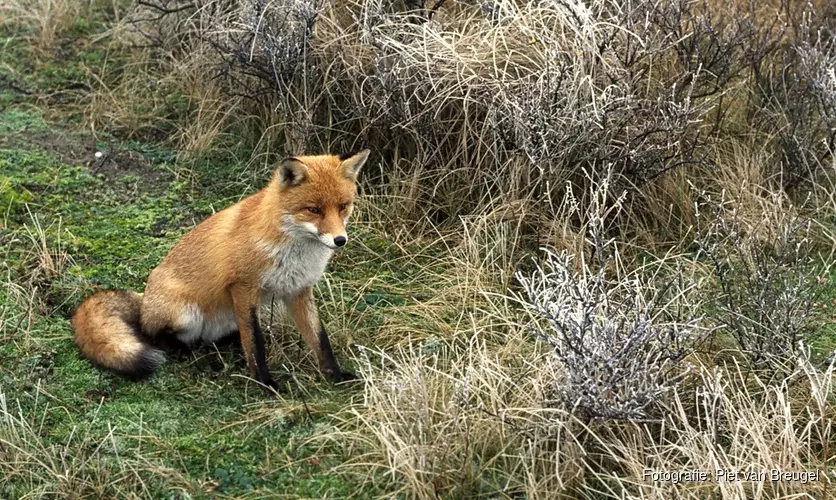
x=245 y=303
x=303 y=310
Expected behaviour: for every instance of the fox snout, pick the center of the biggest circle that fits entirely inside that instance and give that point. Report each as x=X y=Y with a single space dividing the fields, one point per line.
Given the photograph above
x=332 y=241
x=332 y=236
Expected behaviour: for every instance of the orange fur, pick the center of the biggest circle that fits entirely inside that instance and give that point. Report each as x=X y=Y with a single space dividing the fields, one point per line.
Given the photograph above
x=276 y=242
x=117 y=313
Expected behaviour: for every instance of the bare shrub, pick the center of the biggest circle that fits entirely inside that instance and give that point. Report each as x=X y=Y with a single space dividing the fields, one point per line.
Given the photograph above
x=618 y=357
x=792 y=98
x=768 y=277
x=816 y=55
x=621 y=335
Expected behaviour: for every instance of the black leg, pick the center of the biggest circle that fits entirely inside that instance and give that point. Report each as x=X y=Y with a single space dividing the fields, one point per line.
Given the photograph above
x=328 y=363
x=260 y=353
x=232 y=338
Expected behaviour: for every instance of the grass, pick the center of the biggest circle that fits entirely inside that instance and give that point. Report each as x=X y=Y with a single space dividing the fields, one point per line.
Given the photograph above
x=71 y=228
x=74 y=223
x=459 y=398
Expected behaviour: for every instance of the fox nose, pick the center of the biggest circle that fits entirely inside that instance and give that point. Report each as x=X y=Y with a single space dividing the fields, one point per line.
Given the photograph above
x=339 y=241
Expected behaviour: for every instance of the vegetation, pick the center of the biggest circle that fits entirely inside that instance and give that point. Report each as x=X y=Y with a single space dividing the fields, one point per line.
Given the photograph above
x=595 y=238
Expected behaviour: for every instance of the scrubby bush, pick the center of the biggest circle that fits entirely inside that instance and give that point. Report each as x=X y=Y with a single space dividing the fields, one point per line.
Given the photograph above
x=769 y=277
x=794 y=100
x=468 y=101
x=620 y=336
x=618 y=357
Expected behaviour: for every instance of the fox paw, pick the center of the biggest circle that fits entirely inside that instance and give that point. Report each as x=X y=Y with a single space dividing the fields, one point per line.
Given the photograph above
x=345 y=377
x=271 y=387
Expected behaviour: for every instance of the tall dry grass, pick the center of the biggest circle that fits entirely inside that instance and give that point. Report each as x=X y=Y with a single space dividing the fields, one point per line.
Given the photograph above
x=469 y=105
x=49 y=18
x=462 y=419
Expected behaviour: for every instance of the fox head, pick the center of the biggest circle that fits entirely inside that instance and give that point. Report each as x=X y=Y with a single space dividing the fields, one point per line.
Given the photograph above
x=317 y=195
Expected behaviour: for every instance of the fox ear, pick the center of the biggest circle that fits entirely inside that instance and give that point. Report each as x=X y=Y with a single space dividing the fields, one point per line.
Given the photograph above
x=351 y=163
x=291 y=172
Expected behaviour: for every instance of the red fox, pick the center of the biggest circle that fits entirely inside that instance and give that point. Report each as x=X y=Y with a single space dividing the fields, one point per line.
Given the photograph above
x=275 y=243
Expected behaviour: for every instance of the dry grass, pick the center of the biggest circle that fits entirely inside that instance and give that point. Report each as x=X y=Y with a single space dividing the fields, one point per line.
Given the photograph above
x=50 y=260
x=463 y=419
x=49 y=18
x=451 y=418
x=77 y=467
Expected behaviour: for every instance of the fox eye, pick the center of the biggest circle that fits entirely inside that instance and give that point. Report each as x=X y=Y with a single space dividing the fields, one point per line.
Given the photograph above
x=343 y=206
x=313 y=210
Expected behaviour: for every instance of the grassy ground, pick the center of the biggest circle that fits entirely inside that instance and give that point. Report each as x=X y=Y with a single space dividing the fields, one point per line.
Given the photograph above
x=73 y=223
x=458 y=400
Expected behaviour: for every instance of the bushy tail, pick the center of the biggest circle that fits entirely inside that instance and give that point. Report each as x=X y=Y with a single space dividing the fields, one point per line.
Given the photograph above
x=107 y=330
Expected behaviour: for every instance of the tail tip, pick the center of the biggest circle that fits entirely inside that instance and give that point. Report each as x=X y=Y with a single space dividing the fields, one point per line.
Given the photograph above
x=146 y=363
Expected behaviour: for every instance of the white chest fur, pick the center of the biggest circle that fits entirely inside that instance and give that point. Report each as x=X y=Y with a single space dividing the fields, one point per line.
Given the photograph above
x=297 y=264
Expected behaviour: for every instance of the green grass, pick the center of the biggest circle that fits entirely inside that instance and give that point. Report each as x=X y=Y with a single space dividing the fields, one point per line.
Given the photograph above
x=210 y=430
